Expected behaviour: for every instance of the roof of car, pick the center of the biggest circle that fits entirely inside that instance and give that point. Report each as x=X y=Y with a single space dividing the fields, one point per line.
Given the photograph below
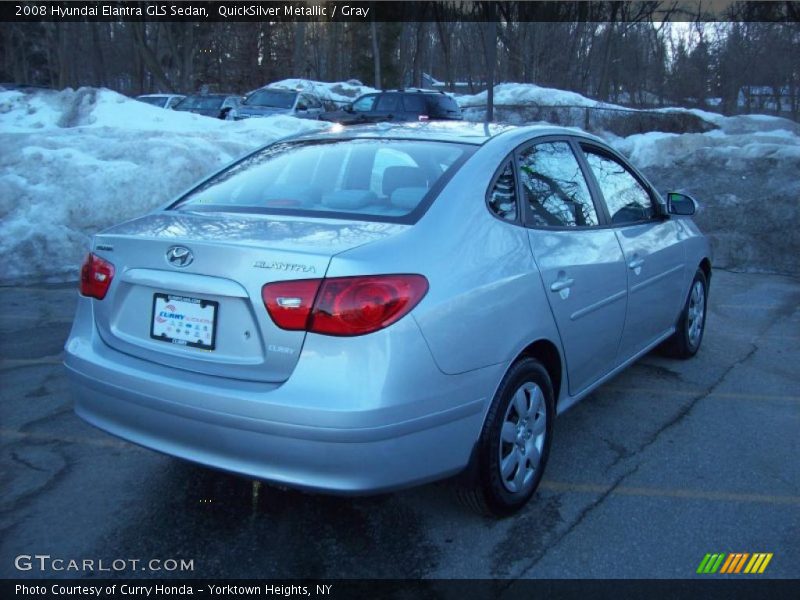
x=212 y=95
x=445 y=131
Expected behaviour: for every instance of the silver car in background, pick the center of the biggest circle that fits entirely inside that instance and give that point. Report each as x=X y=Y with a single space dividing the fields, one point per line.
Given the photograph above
x=368 y=309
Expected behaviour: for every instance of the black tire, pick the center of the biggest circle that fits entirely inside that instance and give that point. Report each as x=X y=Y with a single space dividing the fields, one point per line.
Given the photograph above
x=683 y=344
x=483 y=487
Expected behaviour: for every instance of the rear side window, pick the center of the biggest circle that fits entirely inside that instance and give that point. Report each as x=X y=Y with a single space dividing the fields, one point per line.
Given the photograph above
x=502 y=196
x=553 y=184
x=363 y=178
x=627 y=200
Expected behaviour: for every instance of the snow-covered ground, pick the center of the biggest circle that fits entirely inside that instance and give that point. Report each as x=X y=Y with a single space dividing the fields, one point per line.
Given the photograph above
x=75 y=162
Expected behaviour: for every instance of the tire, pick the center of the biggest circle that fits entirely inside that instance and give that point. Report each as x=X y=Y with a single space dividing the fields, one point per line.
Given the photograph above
x=688 y=336
x=518 y=430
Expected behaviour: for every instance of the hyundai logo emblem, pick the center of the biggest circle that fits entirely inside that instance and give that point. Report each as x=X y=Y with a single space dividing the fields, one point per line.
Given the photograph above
x=180 y=256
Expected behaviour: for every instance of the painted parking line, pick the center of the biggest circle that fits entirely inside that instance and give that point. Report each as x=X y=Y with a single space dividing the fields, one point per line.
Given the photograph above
x=696 y=393
x=11 y=435
x=688 y=494
x=749 y=306
x=13 y=363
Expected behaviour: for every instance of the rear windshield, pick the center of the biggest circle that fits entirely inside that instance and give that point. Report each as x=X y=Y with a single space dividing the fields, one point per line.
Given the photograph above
x=154 y=100
x=200 y=102
x=367 y=179
x=271 y=99
x=443 y=106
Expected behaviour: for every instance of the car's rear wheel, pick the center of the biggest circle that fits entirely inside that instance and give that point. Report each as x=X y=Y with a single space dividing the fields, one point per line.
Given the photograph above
x=686 y=340
x=512 y=451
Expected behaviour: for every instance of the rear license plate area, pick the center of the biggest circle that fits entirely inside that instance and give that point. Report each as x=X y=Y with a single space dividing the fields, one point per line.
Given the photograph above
x=184 y=321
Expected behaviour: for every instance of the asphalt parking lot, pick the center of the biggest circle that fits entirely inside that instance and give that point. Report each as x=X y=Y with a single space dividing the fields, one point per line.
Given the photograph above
x=669 y=461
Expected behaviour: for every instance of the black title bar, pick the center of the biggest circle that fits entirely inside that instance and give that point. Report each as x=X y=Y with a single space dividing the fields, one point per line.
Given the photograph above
x=414 y=11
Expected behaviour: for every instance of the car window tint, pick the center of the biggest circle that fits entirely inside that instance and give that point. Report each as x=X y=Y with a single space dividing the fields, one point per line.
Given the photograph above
x=414 y=104
x=388 y=102
x=365 y=103
x=503 y=194
x=554 y=187
x=363 y=177
x=386 y=158
x=443 y=106
x=627 y=200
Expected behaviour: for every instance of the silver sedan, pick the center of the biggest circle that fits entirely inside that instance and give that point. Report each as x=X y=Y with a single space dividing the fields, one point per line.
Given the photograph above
x=362 y=310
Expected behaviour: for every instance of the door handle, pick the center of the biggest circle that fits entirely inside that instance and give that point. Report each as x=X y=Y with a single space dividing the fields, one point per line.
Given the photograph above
x=636 y=263
x=561 y=284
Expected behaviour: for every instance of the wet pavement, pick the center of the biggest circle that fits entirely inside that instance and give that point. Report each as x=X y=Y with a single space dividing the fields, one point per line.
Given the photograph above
x=667 y=462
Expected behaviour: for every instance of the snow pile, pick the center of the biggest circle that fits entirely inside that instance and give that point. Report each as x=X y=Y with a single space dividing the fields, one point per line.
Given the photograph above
x=745 y=176
x=520 y=103
x=340 y=92
x=76 y=162
x=529 y=93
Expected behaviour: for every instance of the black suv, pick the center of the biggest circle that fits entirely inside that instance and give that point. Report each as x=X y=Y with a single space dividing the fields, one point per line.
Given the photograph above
x=397 y=105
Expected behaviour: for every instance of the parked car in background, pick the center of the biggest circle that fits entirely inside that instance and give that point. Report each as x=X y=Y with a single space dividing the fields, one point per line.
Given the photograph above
x=397 y=105
x=161 y=100
x=359 y=310
x=210 y=105
x=269 y=101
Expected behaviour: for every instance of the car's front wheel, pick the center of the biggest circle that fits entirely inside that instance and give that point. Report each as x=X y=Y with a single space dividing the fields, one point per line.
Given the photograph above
x=512 y=451
x=685 y=342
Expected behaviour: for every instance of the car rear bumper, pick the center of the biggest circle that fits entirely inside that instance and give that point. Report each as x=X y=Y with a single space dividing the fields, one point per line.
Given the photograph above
x=351 y=443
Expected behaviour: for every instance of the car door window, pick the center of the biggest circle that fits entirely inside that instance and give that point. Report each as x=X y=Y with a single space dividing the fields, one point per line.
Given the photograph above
x=388 y=103
x=627 y=200
x=365 y=103
x=555 y=190
x=414 y=104
x=502 y=196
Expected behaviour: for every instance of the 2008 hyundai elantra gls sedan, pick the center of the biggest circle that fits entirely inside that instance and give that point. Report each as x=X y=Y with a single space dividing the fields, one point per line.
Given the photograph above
x=363 y=310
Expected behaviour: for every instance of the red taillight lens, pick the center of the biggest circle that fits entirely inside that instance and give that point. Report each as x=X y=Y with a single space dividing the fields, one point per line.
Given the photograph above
x=343 y=306
x=96 y=276
x=289 y=303
x=359 y=305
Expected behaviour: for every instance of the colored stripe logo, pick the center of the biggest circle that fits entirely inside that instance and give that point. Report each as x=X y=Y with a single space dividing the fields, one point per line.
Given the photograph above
x=734 y=563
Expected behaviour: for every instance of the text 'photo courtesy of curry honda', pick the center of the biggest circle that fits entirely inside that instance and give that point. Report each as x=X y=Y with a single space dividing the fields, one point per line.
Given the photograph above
x=360 y=310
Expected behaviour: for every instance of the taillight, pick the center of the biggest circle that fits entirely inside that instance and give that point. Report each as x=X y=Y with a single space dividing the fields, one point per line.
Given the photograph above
x=289 y=303
x=96 y=276
x=343 y=306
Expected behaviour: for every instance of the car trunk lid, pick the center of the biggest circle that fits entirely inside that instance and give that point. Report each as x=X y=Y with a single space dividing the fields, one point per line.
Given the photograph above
x=203 y=312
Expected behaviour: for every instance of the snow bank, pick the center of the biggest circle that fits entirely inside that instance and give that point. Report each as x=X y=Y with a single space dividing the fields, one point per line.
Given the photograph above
x=529 y=93
x=520 y=103
x=746 y=182
x=76 y=162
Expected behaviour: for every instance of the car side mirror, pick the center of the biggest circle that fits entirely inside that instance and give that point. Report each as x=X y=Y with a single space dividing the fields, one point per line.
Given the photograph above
x=302 y=107
x=349 y=108
x=681 y=204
